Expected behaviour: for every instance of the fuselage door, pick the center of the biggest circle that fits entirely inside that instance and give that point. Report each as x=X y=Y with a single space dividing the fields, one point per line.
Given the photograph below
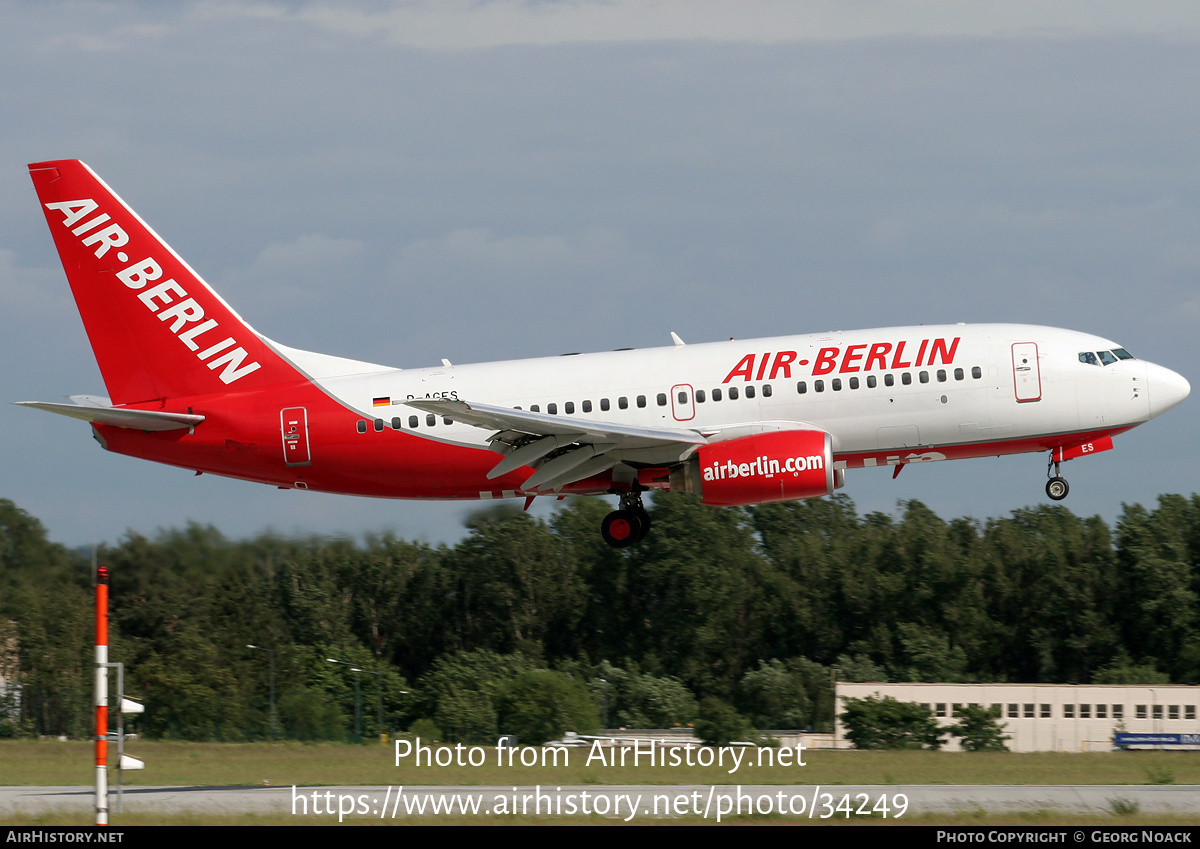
x=294 y=423
x=683 y=405
x=1027 y=375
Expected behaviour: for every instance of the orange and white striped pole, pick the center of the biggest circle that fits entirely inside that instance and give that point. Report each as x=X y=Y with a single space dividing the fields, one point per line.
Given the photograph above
x=102 y=696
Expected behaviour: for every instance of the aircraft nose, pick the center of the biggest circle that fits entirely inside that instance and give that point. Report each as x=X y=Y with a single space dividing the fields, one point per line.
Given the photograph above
x=1166 y=388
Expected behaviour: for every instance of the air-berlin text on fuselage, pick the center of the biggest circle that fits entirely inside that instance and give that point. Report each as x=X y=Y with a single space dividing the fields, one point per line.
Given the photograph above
x=762 y=466
x=877 y=356
x=168 y=299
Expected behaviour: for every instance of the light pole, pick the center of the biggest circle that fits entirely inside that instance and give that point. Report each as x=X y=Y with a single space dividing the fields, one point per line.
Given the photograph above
x=357 y=697
x=271 y=652
x=379 y=682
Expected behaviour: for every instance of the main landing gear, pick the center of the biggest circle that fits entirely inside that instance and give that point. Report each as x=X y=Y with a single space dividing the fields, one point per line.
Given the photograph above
x=1056 y=487
x=628 y=524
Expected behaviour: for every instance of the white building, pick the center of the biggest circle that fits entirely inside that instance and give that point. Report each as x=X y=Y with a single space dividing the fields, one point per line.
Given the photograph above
x=1047 y=717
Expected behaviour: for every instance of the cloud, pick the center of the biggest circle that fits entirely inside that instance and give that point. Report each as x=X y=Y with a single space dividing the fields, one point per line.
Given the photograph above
x=465 y=24
x=114 y=40
x=25 y=292
x=296 y=271
x=476 y=250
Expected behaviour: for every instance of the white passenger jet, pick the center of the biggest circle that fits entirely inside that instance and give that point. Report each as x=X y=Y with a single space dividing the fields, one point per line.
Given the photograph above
x=191 y=384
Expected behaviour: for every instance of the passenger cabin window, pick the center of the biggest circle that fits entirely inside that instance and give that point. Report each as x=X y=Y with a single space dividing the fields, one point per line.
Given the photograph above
x=604 y=405
x=361 y=426
x=379 y=425
x=569 y=408
x=976 y=372
x=552 y=409
x=836 y=383
x=641 y=400
x=818 y=386
x=430 y=420
x=396 y=423
x=716 y=394
x=871 y=381
x=801 y=387
x=662 y=399
x=854 y=383
x=681 y=397
x=906 y=379
x=535 y=408
x=749 y=391
x=700 y=396
x=623 y=403
x=889 y=380
x=587 y=406
x=733 y=393
x=766 y=390
x=412 y=421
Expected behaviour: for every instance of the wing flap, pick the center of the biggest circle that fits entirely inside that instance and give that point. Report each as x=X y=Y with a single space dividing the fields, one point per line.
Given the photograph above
x=563 y=449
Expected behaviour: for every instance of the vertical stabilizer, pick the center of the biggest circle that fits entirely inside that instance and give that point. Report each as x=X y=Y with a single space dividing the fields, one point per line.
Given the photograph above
x=158 y=331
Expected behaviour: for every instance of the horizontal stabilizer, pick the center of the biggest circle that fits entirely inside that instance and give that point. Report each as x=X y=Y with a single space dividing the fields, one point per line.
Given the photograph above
x=119 y=416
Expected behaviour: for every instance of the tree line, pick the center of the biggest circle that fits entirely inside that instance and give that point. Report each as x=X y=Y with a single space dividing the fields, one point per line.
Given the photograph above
x=751 y=611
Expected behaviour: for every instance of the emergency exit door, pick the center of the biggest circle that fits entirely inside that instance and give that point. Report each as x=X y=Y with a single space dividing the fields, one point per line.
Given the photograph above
x=293 y=421
x=1027 y=376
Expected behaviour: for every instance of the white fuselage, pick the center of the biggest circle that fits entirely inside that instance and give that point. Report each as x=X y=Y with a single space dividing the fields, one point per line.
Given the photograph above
x=890 y=389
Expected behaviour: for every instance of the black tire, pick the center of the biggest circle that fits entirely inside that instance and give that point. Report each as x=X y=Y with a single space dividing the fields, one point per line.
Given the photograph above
x=1057 y=489
x=644 y=520
x=621 y=528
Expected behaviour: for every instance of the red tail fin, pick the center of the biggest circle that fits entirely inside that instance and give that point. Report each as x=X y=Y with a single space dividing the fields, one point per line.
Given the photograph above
x=157 y=329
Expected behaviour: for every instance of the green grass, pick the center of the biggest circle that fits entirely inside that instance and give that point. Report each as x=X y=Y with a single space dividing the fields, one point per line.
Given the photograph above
x=284 y=764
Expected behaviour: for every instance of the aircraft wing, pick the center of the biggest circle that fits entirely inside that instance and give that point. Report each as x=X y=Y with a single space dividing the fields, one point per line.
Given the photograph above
x=564 y=449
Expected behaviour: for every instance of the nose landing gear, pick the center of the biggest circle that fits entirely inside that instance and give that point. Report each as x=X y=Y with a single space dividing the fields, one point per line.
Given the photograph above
x=628 y=524
x=1056 y=487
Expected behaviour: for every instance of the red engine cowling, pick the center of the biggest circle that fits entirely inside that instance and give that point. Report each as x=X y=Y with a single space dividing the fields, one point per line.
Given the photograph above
x=783 y=465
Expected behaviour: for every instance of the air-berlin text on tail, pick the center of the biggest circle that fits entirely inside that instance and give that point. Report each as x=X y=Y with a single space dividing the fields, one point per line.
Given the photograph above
x=168 y=299
x=877 y=356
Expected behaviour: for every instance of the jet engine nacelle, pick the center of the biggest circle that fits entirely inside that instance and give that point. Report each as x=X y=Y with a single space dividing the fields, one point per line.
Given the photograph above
x=782 y=465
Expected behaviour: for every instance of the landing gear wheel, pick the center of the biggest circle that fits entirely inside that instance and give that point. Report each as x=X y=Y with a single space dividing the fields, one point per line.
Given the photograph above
x=1057 y=488
x=621 y=528
x=643 y=521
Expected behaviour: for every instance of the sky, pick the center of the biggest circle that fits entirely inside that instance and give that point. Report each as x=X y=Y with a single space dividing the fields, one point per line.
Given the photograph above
x=400 y=182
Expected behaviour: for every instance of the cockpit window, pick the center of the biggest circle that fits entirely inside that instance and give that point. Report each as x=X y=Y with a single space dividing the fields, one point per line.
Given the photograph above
x=1106 y=358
